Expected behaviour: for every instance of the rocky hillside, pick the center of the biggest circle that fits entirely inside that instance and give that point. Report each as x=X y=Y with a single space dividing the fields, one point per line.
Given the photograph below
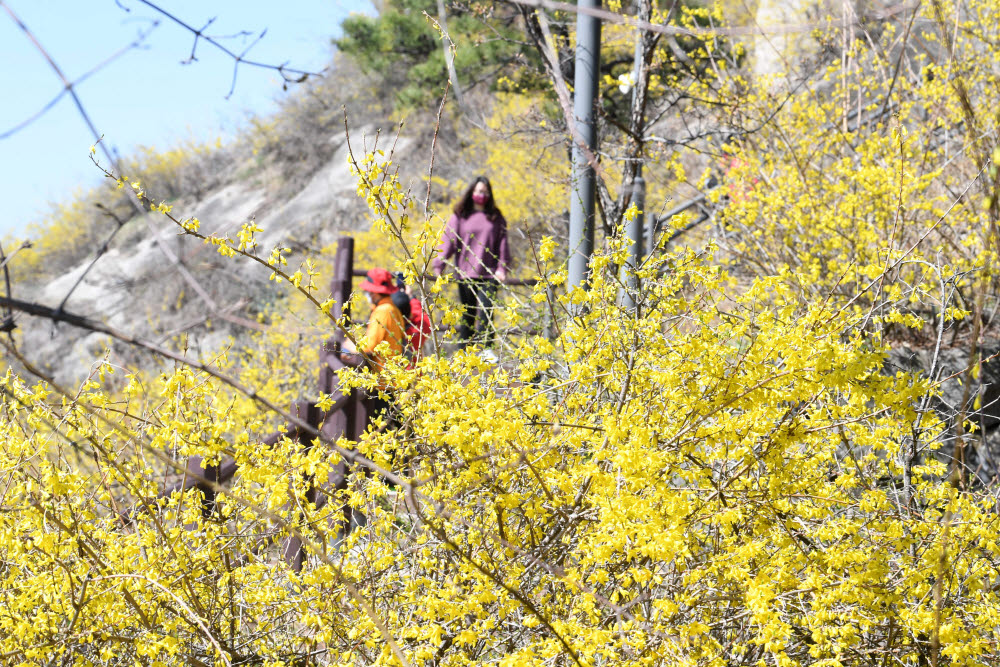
x=289 y=174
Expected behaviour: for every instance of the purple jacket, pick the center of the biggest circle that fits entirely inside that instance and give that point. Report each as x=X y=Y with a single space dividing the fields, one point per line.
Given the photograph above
x=478 y=245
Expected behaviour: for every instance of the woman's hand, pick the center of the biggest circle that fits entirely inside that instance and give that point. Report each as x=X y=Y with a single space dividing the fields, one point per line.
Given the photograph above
x=501 y=274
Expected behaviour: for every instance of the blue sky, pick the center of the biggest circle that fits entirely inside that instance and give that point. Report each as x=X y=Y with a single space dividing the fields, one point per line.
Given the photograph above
x=146 y=97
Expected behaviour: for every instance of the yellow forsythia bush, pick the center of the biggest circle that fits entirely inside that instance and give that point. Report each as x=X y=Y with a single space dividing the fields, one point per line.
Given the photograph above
x=725 y=477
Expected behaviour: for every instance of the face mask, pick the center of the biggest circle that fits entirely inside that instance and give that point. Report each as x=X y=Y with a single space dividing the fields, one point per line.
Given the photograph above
x=480 y=198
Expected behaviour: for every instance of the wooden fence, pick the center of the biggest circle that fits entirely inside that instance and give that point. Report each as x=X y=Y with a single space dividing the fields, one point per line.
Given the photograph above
x=348 y=418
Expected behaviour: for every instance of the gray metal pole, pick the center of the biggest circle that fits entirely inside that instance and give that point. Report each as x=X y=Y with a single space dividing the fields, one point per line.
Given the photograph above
x=581 y=204
x=634 y=229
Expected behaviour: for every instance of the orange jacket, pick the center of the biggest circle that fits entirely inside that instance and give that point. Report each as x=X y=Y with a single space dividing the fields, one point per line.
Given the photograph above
x=385 y=324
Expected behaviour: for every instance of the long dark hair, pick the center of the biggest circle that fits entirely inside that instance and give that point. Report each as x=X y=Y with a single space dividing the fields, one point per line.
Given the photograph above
x=465 y=207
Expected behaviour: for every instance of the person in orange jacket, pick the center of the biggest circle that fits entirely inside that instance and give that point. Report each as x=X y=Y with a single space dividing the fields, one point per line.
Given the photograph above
x=385 y=325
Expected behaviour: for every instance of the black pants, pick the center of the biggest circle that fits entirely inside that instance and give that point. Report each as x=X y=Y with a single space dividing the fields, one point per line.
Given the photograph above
x=477 y=296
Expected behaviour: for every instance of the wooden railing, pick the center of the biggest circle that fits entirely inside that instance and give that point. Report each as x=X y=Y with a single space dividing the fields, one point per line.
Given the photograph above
x=348 y=418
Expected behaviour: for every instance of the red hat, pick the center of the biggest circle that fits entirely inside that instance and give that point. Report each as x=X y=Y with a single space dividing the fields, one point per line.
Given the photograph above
x=379 y=281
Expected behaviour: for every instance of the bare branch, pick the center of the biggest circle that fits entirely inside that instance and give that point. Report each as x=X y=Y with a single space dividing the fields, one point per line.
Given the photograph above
x=285 y=72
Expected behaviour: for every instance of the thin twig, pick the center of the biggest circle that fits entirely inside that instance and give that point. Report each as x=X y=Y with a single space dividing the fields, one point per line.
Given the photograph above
x=136 y=43
x=199 y=34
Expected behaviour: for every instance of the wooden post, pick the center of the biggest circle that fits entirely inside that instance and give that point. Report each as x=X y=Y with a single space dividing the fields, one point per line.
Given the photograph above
x=351 y=420
x=341 y=420
x=340 y=292
x=342 y=283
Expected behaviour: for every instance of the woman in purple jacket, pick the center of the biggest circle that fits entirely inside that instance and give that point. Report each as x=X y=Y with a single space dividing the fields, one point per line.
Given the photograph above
x=475 y=242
